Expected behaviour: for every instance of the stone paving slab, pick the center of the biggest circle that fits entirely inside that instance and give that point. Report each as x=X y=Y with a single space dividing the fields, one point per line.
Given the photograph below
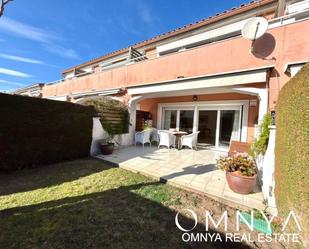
x=188 y=169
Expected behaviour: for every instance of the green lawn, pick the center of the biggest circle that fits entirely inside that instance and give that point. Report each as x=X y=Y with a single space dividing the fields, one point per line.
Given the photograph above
x=86 y=204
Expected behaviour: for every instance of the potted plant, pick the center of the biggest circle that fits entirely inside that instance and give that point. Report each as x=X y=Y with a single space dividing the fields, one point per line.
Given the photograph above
x=107 y=146
x=240 y=172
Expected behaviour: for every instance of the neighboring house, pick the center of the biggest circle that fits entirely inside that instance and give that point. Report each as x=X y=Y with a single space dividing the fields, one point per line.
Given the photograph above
x=34 y=90
x=204 y=76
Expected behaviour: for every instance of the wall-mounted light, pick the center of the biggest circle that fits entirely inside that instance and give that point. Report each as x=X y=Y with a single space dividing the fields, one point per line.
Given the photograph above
x=273 y=117
x=194 y=98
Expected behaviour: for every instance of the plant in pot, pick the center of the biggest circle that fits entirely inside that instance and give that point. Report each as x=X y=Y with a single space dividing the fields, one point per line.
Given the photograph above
x=107 y=144
x=114 y=117
x=240 y=172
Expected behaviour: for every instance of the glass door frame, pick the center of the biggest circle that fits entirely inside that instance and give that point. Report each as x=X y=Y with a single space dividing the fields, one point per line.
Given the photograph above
x=178 y=109
x=241 y=105
x=218 y=121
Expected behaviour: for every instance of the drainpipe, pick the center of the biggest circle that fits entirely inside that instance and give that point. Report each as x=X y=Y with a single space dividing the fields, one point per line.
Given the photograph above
x=280 y=8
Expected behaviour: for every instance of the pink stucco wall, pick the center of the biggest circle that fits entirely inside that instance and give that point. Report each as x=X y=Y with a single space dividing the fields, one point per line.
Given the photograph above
x=281 y=45
x=151 y=105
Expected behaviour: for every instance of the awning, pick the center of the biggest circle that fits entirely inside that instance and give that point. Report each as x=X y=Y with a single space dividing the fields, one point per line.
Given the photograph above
x=294 y=67
x=219 y=80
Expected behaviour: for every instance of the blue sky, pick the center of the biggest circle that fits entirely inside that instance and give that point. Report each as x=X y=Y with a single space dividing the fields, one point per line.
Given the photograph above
x=40 y=38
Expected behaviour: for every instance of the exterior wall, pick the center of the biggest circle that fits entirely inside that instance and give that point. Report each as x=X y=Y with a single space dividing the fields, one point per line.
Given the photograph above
x=31 y=91
x=280 y=46
x=151 y=53
x=151 y=105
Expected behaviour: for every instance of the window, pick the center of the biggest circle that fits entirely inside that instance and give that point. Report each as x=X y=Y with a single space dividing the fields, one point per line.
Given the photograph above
x=170 y=119
x=186 y=121
x=179 y=119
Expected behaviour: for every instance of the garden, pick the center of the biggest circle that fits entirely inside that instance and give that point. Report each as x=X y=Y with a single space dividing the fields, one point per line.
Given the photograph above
x=87 y=204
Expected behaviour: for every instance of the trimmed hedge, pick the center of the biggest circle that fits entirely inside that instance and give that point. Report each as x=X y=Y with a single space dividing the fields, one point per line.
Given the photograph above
x=35 y=131
x=292 y=148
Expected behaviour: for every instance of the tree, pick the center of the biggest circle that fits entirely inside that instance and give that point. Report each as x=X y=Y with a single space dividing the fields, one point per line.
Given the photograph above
x=2 y=3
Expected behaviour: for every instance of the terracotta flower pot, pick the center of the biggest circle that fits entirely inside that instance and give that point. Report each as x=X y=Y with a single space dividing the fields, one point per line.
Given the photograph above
x=107 y=149
x=239 y=183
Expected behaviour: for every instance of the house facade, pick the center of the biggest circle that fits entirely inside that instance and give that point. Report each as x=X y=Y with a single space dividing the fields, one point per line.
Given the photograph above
x=34 y=90
x=202 y=77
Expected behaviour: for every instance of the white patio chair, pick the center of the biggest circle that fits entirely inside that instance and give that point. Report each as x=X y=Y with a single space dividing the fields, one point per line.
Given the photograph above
x=166 y=139
x=154 y=137
x=143 y=137
x=190 y=140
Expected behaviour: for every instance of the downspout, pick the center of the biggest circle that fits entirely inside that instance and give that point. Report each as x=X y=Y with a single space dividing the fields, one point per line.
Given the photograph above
x=280 y=8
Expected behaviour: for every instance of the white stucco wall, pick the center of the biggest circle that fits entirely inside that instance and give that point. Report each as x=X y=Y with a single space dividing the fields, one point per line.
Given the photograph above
x=266 y=170
x=99 y=133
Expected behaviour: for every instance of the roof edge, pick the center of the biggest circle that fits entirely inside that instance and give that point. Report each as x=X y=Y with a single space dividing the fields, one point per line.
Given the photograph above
x=189 y=27
x=28 y=87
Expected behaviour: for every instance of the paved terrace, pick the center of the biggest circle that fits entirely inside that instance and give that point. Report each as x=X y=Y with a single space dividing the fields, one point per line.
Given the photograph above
x=188 y=169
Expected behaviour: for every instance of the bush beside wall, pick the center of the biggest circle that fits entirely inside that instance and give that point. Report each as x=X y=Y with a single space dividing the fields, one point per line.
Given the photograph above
x=37 y=131
x=292 y=148
x=114 y=115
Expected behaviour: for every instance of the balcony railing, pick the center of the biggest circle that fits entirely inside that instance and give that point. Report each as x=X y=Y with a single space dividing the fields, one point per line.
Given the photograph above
x=214 y=58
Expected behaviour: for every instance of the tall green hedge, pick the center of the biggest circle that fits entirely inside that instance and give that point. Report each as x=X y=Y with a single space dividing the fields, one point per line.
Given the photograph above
x=292 y=148
x=35 y=131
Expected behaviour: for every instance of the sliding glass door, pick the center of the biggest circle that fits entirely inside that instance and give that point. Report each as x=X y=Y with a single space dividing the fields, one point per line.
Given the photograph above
x=229 y=127
x=170 y=119
x=218 y=124
x=178 y=119
x=207 y=121
x=186 y=120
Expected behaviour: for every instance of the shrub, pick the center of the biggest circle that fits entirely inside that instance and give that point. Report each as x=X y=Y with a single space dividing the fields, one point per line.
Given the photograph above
x=292 y=150
x=260 y=145
x=240 y=162
x=37 y=131
x=113 y=114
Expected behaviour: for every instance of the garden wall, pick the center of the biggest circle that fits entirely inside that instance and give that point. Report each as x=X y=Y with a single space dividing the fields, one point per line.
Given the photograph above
x=292 y=150
x=35 y=131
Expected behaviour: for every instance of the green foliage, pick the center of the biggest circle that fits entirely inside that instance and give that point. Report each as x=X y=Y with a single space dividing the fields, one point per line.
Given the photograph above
x=35 y=131
x=241 y=162
x=146 y=126
x=260 y=145
x=114 y=115
x=292 y=150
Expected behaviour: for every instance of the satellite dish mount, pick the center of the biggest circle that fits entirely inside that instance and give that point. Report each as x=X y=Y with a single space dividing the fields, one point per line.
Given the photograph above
x=253 y=29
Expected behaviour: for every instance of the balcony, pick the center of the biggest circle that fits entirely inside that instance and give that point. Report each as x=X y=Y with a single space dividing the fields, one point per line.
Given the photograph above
x=214 y=58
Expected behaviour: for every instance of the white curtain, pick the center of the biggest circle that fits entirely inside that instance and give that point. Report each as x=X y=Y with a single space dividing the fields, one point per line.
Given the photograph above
x=235 y=132
x=167 y=119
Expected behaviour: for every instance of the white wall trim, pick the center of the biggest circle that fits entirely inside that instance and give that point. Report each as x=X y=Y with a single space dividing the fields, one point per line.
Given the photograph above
x=204 y=36
x=243 y=74
x=262 y=94
x=59 y=98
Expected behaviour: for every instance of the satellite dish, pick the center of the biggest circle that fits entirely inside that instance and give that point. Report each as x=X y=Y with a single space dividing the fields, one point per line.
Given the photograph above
x=254 y=28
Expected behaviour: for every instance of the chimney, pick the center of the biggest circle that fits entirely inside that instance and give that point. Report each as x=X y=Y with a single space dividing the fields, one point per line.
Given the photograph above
x=281 y=8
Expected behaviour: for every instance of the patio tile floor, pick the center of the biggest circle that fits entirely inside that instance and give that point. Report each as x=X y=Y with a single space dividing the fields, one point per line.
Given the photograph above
x=188 y=169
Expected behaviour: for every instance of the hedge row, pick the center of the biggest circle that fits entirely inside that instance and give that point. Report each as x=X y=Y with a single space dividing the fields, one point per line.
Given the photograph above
x=292 y=148
x=35 y=131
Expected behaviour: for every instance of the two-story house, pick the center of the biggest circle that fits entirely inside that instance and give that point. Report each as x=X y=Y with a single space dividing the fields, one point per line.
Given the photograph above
x=204 y=76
